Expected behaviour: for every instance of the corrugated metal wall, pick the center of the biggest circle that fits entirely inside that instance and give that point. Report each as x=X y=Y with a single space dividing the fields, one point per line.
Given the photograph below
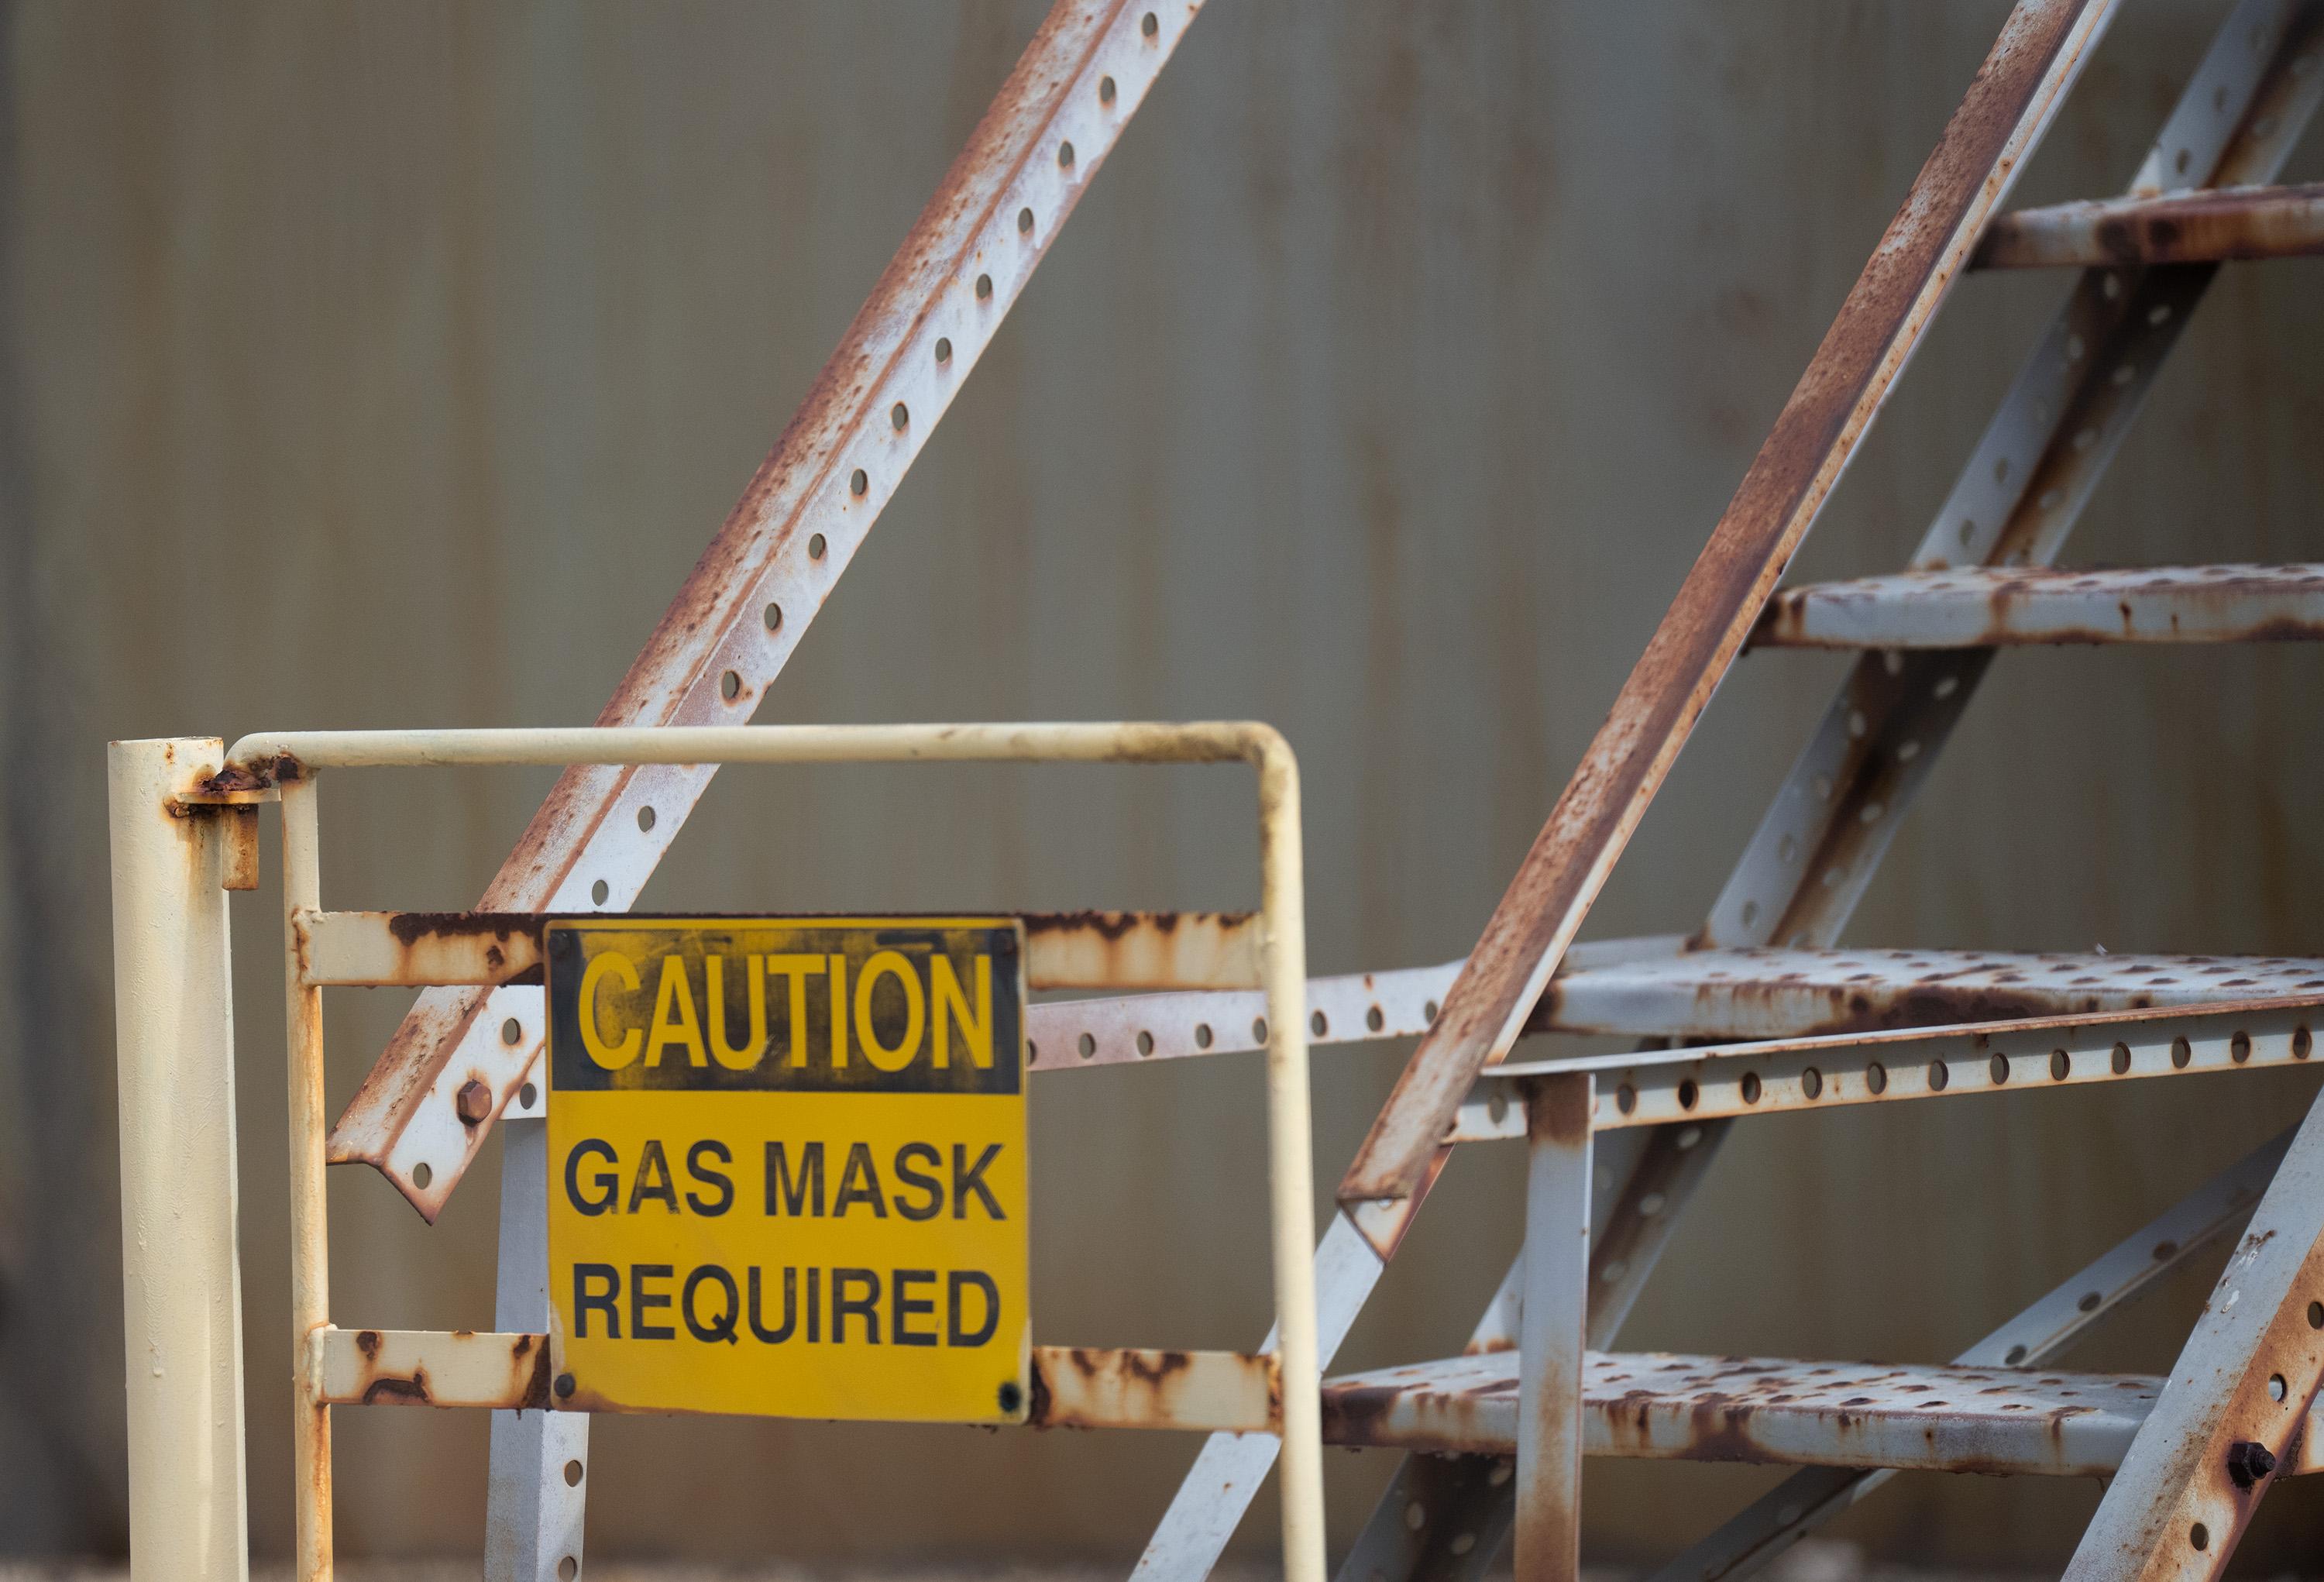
x=375 y=366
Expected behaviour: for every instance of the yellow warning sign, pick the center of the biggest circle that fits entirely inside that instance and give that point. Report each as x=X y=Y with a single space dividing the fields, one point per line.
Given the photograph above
x=787 y=1167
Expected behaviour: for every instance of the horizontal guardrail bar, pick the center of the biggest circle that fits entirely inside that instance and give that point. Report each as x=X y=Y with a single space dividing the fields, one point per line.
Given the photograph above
x=1064 y=950
x=413 y=949
x=1078 y=1386
x=428 y=1367
x=1100 y=1387
x=1651 y=1087
x=270 y=757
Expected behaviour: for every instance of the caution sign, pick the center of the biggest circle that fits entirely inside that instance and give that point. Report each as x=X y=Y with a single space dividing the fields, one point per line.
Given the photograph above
x=787 y=1167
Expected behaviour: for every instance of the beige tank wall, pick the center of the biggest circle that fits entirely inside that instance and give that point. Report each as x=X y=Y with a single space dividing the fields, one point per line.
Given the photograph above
x=379 y=365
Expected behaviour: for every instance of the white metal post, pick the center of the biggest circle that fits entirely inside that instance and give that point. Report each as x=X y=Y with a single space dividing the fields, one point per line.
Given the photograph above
x=539 y=1491
x=310 y=1237
x=1290 y=1162
x=181 y=1278
x=1549 y=1330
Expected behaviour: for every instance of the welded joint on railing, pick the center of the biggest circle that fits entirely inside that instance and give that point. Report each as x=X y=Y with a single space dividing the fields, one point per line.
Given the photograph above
x=235 y=805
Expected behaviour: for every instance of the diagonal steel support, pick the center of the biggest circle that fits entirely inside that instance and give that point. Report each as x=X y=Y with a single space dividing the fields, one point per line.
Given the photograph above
x=2041 y=50
x=809 y=509
x=2236 y=1400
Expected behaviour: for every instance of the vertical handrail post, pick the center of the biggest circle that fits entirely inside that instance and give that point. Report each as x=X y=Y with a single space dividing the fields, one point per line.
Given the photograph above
x=310 y=1246
x=182 y=1276
x=1550 y=1330
x=1291 y=1190
x=537 y=1498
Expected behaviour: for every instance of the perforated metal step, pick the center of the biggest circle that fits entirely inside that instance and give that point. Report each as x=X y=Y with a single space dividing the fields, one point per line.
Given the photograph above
x=1786 y=993
x=1987 y=606
x=1663 y=1406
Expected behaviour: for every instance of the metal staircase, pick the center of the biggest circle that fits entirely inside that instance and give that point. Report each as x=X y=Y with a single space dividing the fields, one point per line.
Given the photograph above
x=1500 y=1432
x=1758 y=1011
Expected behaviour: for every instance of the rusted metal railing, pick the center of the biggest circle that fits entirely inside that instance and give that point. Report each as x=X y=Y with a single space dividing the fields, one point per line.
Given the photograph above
x=177 y=812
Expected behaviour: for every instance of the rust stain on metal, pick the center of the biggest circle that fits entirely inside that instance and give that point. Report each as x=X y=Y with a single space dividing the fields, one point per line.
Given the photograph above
x=1109 y=1387
x=380 y=1381
x=393 y=1391
x=1357 y=1414
x=1141 y=949
x=1140 y=1379
x=1781 y=494
x=412 y=928
x=244 y=779
x=1116 y=925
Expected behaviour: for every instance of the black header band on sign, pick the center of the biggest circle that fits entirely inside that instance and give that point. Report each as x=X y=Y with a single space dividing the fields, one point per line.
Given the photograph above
x=820 y=1005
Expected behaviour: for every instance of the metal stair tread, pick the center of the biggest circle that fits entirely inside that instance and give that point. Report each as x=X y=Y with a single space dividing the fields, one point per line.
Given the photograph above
x=1977 y=606
x=1674 y=1406
x=1776 y=993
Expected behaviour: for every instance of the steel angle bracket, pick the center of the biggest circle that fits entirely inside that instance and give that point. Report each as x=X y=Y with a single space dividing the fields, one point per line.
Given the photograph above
x=750 y=598
x=2040 y=51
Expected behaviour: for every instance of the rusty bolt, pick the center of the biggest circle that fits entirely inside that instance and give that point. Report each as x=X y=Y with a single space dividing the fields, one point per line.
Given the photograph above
x=2247 y=1463
x=564 y=1386
x=475 y=1103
